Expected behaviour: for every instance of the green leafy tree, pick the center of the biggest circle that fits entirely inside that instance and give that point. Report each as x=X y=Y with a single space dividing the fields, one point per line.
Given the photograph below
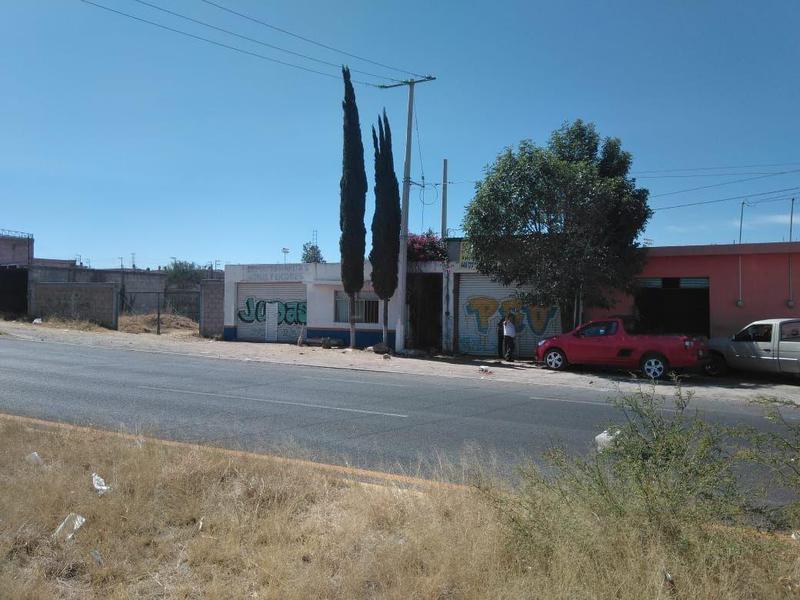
x=184 y=274
x=312 y=253
x=353 y=188
x=563 y=219
x=386 y=221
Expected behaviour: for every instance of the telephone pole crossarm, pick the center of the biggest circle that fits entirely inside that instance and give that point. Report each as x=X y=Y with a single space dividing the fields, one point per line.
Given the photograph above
x=400 y=293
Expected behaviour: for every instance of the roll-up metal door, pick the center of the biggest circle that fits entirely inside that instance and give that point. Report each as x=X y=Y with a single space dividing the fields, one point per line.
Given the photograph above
x=270 y=312
x=481 y=306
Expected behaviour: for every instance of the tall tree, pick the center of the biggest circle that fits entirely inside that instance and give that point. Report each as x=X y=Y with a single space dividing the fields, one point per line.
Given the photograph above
x=563 y=219
x=353 y=189
x=386 y=221
x=312 y=253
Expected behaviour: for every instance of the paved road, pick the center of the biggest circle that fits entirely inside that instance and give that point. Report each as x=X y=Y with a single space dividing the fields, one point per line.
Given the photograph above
x=365 y=419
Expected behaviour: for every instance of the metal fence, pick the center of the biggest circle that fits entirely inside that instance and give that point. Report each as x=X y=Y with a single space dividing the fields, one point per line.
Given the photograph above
x=185 y=303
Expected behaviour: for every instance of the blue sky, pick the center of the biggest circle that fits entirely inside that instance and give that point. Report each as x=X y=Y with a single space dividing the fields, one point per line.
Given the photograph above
x=116 y=137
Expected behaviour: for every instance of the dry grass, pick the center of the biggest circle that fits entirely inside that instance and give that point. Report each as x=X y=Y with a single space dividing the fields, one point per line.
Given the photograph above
x=148 y=323
x=196 y=523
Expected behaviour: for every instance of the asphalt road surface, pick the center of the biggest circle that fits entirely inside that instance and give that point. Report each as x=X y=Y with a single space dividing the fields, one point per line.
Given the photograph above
x=365 y=419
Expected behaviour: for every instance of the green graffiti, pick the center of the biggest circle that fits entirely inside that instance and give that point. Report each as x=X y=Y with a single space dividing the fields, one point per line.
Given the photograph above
x=289 y=313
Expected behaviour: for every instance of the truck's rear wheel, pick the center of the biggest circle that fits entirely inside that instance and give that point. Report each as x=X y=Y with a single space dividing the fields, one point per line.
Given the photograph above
x=717 y=366
x=555 y=359
x=654 y=366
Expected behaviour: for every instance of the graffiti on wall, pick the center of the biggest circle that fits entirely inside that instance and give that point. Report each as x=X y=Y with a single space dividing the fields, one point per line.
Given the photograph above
x=291 y=312
x=483 y=308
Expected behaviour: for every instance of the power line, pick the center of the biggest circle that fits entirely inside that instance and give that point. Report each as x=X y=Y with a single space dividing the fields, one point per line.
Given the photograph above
x=794 y=164
x=713 y=185
x=310 y=41
x=220 y=44
x=729 y=198
x=706 y=175
x=257 y=41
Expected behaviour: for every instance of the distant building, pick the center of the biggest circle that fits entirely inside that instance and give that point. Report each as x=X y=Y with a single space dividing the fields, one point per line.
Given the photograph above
x=16 y=248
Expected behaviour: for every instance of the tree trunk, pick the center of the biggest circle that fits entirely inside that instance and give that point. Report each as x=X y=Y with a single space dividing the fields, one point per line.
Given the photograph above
x=352 y=320
x=567 y=308
x=386 y=322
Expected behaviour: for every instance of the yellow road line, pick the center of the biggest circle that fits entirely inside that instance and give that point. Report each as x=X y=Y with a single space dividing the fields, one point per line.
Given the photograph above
x=337 y=470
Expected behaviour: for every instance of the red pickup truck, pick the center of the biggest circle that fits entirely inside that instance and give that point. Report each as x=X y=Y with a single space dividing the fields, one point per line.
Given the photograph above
x=611 y=342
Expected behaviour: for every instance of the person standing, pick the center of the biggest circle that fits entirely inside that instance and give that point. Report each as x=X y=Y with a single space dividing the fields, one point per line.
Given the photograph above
x=509 y=335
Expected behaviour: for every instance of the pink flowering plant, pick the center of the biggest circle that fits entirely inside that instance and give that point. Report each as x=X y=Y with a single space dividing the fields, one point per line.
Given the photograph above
x=426 y=247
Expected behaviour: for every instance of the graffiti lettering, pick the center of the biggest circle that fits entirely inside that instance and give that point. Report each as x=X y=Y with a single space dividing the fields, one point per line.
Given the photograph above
x=289 y=313
x=483 y=308
x=539 y=316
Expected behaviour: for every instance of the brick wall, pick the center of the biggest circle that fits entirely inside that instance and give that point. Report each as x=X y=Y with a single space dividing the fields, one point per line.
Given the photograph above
x=96 y=302
x=141 y=289
x=212 y=304
x=16 y=250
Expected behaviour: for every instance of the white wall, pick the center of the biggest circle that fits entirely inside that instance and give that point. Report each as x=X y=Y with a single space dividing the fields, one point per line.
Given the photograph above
x=258 y=273
x=321 y=280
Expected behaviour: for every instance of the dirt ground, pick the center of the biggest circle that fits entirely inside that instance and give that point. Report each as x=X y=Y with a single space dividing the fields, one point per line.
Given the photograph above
x=179 y=339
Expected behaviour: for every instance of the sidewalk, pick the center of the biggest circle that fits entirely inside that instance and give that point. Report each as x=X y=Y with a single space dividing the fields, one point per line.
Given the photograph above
x=736 y=388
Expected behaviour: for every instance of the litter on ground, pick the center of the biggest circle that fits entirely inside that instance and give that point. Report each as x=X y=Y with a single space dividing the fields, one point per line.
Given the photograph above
x=99 y=484
x=69 y=526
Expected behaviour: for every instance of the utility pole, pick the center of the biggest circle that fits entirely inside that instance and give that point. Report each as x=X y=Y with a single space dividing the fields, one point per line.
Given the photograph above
x=121 y=265
x=285 y=253
x=446 y=345
x=444 y=199
x=790 y=301
x=402 y=271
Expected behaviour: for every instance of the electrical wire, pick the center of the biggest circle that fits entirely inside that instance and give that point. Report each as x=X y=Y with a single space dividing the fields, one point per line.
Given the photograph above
x=220 y=44
x=713 y=185
x=742 y=197
x=309 y=40
x=256 y=41
x=794 y=164
x=706 y=175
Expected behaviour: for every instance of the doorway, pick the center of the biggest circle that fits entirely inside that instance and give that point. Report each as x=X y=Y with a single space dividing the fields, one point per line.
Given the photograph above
x=424 y=311
x=673 y=305
x=13 y=291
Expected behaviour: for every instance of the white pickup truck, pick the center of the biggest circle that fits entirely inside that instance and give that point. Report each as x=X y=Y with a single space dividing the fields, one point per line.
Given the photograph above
x=769 y=346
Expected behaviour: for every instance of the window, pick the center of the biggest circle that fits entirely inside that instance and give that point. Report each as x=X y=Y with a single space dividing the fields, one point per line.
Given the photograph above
x=755 y=333
x=366 y=307
x=790 y=332
x=599 y=329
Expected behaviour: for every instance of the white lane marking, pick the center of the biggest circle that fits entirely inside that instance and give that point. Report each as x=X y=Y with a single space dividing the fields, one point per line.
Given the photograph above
x=362 y=382
x=303 y=404
x=605 y=404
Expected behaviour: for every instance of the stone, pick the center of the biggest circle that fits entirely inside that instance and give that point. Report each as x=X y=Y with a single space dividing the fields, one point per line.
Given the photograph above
x=380 y=348
x=605 y=440
x=34 y=459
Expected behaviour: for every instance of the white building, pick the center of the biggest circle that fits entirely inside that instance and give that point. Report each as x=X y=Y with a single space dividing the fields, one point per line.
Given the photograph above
x=276 y=302
x=450 y=306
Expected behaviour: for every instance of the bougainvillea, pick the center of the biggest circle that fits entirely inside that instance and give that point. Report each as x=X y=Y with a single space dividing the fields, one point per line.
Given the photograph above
x=426 y=246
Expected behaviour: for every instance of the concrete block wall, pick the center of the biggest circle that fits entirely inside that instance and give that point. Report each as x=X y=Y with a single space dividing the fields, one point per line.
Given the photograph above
x=212 y=307
x=95 y=302
x=142 y=289
x=16 y=250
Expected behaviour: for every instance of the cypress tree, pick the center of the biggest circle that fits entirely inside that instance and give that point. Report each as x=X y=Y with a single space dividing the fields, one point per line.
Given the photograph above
x=353 y=190
x=386 y=221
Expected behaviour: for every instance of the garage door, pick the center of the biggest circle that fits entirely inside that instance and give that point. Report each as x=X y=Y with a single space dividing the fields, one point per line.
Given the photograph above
x=270 y=312
x=482 y=303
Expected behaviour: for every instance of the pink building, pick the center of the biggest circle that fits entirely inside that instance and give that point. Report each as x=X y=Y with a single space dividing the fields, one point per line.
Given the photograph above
x=713 y=290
